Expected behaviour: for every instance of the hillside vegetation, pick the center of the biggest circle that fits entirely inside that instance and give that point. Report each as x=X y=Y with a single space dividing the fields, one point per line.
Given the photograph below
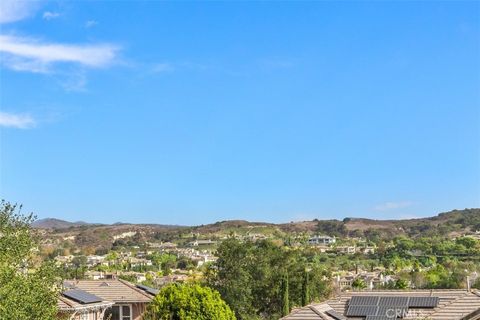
x=81 y=234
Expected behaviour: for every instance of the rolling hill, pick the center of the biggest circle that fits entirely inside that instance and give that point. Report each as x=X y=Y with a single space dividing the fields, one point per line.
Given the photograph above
x=83 y=233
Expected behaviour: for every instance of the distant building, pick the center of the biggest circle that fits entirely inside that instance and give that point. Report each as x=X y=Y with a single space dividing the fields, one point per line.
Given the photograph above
x=94 y=260
x=371 y=279
x=321 y=240
x=197 y=243
x=346 y=249
x=162 y=281
x=138 y=262
x=95 y=275
x=138 y=276
x=367 y=250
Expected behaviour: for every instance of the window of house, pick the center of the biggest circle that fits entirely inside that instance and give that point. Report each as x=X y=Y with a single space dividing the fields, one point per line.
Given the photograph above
x=126 y=313
x=119 y=312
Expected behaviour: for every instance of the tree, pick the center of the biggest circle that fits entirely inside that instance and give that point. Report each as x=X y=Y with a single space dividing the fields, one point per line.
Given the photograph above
x=231 y=276
x=467 y=242
x=188 y=302
x=247 y=276
x=28 y=290
x=305 y=289
x=285 y=298
x=401 y=284
x=80 y=263
x=359 y=284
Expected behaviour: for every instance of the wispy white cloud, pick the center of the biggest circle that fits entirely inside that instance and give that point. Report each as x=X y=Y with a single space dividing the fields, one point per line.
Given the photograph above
x=26 y=54
x=19 y=121
x=15 y=10
x=90 y=23
x=393 y=205
x=48 y=15
x=162 y=67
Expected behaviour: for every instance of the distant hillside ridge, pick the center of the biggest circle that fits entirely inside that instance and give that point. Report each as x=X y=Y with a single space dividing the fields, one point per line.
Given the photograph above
x=52 y=223
x=107 y=236
x=454 y=220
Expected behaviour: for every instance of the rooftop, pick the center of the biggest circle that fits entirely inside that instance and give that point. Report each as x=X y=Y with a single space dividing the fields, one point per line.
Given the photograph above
x=118 y=291
x=452 y=305
x=68 y=302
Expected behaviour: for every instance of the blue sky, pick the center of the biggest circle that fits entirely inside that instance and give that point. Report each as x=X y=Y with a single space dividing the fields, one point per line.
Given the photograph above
x=189 y=113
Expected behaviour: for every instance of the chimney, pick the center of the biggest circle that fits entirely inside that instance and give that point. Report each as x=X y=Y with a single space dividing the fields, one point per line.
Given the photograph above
x=468 y=283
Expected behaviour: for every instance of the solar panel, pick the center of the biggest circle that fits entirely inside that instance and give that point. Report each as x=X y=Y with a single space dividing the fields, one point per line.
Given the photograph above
x=387 y=307
x=378 y=318
x=335 y=315
x=423 y=302
x=81 y=296
x=393 y=301
x=361 y=311
x=150 y=290
x=364 y=300
x=392 y=311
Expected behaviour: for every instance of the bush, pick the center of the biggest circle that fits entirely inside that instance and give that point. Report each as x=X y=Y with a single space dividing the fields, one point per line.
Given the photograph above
x=188 y=302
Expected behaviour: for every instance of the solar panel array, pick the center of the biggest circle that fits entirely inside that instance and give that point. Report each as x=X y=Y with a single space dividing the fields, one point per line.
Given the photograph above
x=387 y=307
x=335 y=315
x=392 y=311
x=423 y=302
x=364 y=300
x=393 y=301
x=361 y=311
x=378 y=318
x=81 y=296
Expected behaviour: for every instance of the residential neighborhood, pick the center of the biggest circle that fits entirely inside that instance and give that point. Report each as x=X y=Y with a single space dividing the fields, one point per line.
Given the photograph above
x=239 y=160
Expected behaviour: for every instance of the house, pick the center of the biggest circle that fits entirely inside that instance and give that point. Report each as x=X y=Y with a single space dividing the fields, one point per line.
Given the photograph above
x=162 y=281
x=316 y=240
x=393 y=304
x=94 y=260
x=371 y=279
x=197 y=243
x=139 y=276
x=139 y=262
x=95 y=275
x=126 y=301
x=80 y=305
x=346 y=249
x=366 y=250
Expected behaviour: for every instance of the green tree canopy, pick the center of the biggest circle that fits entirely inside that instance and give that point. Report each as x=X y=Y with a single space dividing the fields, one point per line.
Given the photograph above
x=250 y=276
x=359 y=284
x=188 y=302
x=28 y=290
